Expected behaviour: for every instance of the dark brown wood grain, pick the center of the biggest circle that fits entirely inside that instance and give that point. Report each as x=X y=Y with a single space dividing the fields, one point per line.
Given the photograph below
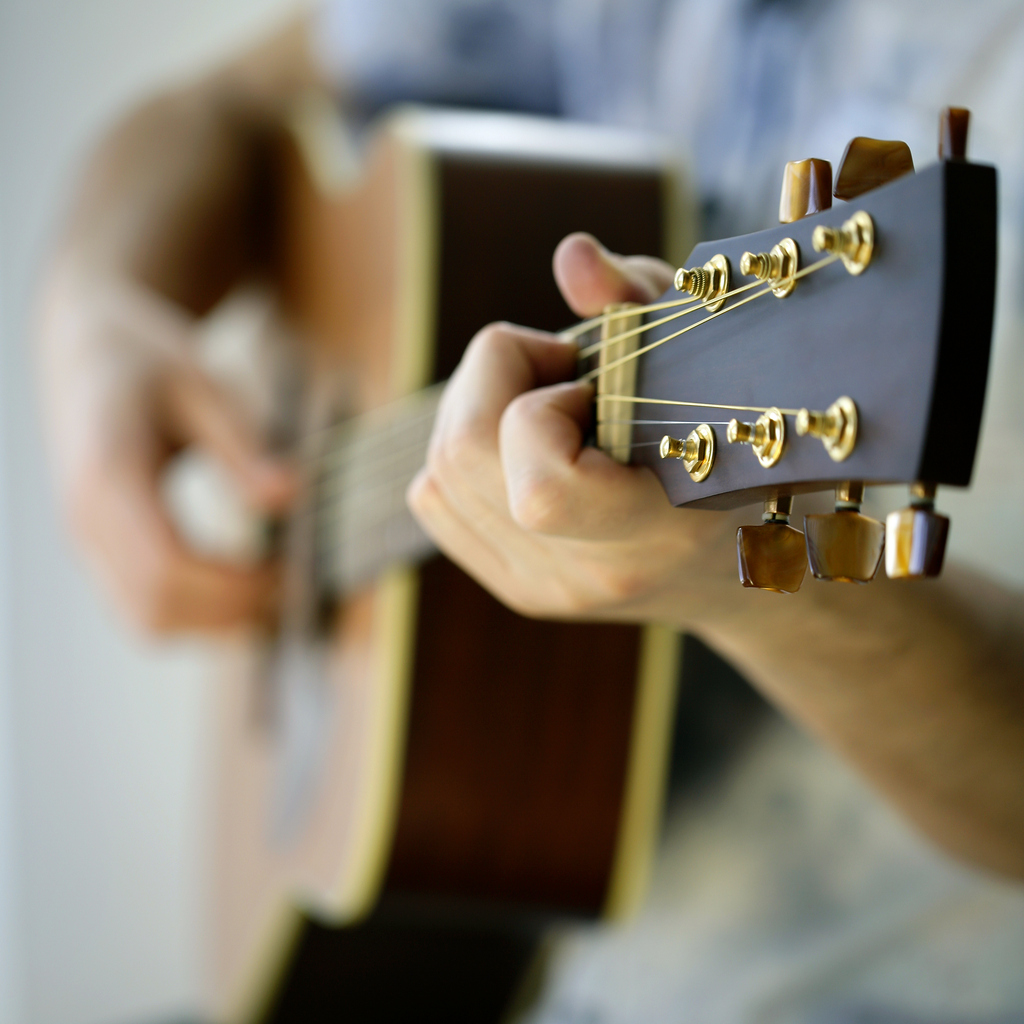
x=518 y=729
x=518 y=744
x=908 y=340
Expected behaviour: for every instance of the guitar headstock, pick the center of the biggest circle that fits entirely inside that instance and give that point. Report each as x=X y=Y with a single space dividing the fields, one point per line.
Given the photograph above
x=845 y=348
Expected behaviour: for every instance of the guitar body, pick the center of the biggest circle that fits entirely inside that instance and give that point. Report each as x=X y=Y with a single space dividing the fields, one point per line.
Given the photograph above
x=444 y=749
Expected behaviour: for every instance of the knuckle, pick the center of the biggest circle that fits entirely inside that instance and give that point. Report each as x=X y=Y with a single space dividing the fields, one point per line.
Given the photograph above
x=619 y=584
x=540 y=504
x=490 y=340
x=459 y=448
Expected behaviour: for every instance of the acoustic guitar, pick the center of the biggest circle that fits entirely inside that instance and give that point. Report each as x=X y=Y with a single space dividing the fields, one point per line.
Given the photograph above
x=409 y=758
x=826 y=353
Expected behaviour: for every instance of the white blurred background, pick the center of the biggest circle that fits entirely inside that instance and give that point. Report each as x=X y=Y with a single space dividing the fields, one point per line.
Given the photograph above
x=101 y=741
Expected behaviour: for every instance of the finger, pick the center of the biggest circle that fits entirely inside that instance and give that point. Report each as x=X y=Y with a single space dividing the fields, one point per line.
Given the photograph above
x=202 y=412
x=556 y=485
x=500 y=363
x=590 y=277
x=498 y=555
x=161 y=586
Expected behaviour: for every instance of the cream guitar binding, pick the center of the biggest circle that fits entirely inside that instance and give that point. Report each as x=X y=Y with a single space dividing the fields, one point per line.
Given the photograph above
x=408 y=745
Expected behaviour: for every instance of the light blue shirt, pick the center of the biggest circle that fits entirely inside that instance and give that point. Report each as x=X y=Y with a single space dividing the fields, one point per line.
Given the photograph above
x=791 y=896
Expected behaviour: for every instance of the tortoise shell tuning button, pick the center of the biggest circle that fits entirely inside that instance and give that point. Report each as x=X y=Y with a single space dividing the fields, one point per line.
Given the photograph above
x=953 y=125
x=844 y=545
x=806 y=189
x=915 y=537
x=772 y=556
x=869 y=163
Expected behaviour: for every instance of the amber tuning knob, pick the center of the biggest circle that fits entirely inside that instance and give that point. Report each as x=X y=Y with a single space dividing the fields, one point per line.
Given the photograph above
x=953 y=124
x=772 y=556
x=869 y=163
x=915 y=536
x=844 y=546
x=806 y=189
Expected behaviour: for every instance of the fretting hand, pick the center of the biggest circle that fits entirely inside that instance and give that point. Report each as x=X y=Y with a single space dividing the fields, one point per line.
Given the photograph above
x=511 y=493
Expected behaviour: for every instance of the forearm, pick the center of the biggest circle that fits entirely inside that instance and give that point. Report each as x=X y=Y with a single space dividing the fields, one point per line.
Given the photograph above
x=921 y=685
x=176 y=197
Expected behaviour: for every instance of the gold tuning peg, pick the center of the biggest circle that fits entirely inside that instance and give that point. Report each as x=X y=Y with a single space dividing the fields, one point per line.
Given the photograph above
x=697 y=451
x=708 y=282
x=915 y=536
x=836 y=426
x=772 y=556
x=854 y=241
x=779 y=266
x=766 y=435
x=806 y=189
x=953 y=124
x=868 y=163
x=844 y=545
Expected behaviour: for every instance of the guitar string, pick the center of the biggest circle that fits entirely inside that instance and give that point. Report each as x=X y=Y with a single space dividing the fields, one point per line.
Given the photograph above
x=571 y=333
x=601 y=370
x=378 y=470
x=371 y=524
x=394 y=454
x=597 y=346
x=598 y=371
x=577 y=330
x=695 y=405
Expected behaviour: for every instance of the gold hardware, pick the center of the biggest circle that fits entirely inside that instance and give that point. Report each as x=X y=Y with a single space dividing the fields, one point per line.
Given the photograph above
x=776 y=267
x=836 y=426
x=922 y=493
x=766 y=435
x=697 y=451
x=849 y=495
x=777 y=509
x=707 y=282
x=854 y=241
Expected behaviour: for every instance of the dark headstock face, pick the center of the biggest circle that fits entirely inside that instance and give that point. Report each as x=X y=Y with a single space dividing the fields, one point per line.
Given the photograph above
x=854 y=343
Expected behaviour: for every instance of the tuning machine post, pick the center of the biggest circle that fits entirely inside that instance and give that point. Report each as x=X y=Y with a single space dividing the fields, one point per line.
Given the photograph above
x=778 y=267
x=854 y=241
x=772 y=556
x=708 y=283
x=697 y=451
x=766 y=435
x=837 y=427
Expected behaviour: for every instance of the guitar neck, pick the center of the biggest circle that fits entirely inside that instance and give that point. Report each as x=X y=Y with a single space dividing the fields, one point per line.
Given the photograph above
x=364 y=467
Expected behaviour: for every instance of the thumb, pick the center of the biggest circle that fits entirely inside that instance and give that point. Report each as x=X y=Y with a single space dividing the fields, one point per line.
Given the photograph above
x=205 y=414
x=590 y=277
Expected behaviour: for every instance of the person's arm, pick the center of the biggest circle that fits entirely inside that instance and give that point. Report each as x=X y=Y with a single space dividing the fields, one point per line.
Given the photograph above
x=170 y=212
x=921 y=685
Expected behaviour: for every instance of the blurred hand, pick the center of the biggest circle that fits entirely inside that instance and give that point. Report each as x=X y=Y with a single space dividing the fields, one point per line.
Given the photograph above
x=123 y=392
x=511 y=493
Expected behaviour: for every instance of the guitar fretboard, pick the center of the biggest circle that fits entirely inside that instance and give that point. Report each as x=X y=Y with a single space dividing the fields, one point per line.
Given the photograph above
x=368 y=462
